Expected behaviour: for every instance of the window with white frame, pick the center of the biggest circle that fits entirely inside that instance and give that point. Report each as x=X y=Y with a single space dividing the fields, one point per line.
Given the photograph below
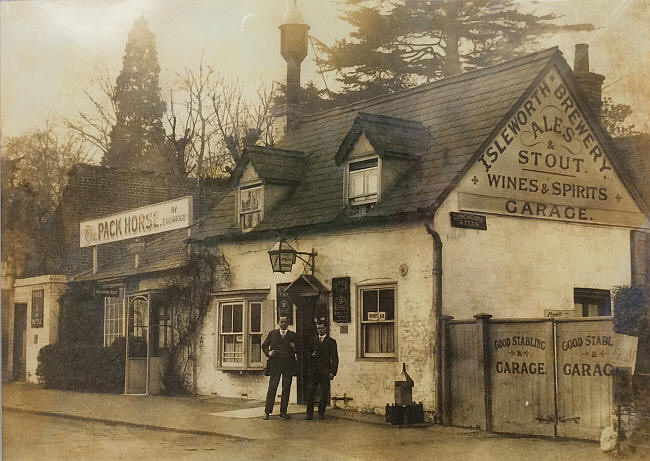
x=240 y=332
x=378 y=331
x=591 y=302
x=251 y=200
x=113 y=320
x=363 y=182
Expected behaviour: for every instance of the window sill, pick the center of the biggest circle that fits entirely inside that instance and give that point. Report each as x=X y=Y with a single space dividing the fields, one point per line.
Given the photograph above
x=241 y=369
x=376 y=359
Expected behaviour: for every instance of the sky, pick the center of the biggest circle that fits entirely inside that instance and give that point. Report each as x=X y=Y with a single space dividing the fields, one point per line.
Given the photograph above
x=51 y=50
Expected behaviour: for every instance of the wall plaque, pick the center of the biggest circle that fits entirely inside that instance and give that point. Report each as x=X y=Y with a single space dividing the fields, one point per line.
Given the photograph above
x=341 y=299
x=285 y=306
x=468 y=221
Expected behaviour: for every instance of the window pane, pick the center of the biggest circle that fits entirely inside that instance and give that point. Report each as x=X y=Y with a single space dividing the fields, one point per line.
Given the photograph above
x=226 y=318
x=356 y=183
x=604 y=309
x=371 y=181
x=237 y=318
x=387 y=303
x=256 y=317
x=256 y=348
x=387 y=338
x=369 y=300
x=372 y=338
x=251 y=199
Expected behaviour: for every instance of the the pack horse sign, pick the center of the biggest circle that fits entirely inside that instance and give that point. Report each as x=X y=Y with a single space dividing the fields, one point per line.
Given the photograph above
x=152 y=219
x=546 y=162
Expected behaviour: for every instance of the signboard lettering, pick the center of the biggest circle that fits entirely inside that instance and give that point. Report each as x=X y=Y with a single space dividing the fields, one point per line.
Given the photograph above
x=468 y=221
x=152 y=219
x=108 y=292
x=559 y=314
x=519 y=355
x=547 y=163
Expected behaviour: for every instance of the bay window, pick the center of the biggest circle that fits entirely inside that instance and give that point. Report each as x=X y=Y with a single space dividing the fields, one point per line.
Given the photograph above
x=241 y=326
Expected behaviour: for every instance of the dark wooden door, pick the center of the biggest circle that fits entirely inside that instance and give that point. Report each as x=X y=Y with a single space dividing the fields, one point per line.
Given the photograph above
x=20 y=325
x=305 y=329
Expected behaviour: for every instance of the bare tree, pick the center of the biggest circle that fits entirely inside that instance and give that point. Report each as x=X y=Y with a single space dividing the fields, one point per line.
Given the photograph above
x=215 y=122
x=94 y=126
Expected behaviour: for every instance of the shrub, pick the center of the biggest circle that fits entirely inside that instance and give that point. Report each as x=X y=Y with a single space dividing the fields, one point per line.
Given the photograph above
x=83 y=367
x=630 y=310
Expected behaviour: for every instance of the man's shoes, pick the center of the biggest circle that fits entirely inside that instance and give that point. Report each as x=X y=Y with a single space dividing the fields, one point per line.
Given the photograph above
x=321 y=416
x=284 y=416
x=309 y=417
x=267 y=416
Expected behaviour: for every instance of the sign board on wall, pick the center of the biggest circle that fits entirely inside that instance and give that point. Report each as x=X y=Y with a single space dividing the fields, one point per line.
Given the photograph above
x=468 y=221
x=341 y=299
x=152 y=219
x=547 y=163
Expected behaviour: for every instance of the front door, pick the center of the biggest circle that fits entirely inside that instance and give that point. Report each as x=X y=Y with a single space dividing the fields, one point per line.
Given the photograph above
x=305 y=329
x=137 y=366
x=20 y=325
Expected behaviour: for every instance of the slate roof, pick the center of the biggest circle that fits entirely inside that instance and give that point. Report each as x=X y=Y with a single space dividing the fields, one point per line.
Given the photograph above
x=272 y=165
x=459 y=113
x=389 y=137
x=635 y=155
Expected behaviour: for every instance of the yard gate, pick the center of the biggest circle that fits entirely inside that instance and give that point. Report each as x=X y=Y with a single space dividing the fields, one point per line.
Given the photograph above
x=528 y=376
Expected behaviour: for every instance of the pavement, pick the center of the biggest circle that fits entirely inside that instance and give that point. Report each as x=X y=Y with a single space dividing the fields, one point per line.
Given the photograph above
x=231 y=418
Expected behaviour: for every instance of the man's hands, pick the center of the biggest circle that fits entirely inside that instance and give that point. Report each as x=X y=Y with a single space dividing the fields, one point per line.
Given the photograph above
x=272 y=353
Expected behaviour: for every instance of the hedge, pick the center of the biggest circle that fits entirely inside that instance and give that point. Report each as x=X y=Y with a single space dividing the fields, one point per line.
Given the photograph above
x=83 y=367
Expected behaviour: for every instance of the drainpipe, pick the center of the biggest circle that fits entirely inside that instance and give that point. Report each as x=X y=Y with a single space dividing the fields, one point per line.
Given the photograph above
x=437 y=311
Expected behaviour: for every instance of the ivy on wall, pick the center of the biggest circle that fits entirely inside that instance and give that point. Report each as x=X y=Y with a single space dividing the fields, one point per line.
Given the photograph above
x=188 y=292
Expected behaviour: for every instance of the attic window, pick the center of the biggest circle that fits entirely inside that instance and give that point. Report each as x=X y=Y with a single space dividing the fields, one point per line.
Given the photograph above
x=363 y=182
x=250 y=205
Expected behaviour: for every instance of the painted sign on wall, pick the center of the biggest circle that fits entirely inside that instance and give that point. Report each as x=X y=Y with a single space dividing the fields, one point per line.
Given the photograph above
x=547 y=163
x=152 y=219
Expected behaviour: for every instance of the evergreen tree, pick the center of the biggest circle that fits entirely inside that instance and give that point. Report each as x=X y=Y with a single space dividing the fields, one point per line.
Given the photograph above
x=137 y=140
x=398 y=44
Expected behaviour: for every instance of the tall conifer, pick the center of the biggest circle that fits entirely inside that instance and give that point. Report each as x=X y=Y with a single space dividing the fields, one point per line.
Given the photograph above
x=138 y=137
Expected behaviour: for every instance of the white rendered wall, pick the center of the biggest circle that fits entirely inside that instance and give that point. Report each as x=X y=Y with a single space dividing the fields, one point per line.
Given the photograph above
x=372 y=256
x=521 y=266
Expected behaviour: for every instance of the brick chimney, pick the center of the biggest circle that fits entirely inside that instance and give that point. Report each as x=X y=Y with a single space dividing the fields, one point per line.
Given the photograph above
x=293 y=48
x=590 y=83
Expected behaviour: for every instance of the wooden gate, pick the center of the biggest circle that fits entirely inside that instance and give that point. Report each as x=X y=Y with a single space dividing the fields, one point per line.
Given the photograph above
x=584 y=377
x=522 y=378
x=529 y=376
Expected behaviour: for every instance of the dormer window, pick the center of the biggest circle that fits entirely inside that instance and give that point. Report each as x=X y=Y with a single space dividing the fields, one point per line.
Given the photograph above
x=363 y=182
x=251 y=202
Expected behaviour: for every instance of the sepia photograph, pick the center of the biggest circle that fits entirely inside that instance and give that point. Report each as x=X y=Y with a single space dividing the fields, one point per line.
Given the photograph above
x=342 y=230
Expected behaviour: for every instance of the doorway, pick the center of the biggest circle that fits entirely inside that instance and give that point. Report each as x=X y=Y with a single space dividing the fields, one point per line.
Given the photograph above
x=20 y=326
x=305 y=329
x=137 y=351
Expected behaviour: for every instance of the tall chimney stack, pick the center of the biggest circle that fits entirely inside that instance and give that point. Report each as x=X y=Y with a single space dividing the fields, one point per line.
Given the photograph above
x=293 y=48
x=590 y=83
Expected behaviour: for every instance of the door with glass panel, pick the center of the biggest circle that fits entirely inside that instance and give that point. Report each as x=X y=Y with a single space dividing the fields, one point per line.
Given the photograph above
x=137 y=366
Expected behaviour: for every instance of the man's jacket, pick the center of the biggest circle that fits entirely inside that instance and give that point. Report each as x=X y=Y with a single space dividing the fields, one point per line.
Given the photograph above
x=327 y=357
x=285 y=357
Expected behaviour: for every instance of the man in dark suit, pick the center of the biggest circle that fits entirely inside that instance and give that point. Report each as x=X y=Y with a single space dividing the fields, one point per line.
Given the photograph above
x=280 y=348
x=323 y=366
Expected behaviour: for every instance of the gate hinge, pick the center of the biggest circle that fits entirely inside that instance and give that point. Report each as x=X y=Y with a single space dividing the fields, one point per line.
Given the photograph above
x=575 y=419
x=545 y=419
